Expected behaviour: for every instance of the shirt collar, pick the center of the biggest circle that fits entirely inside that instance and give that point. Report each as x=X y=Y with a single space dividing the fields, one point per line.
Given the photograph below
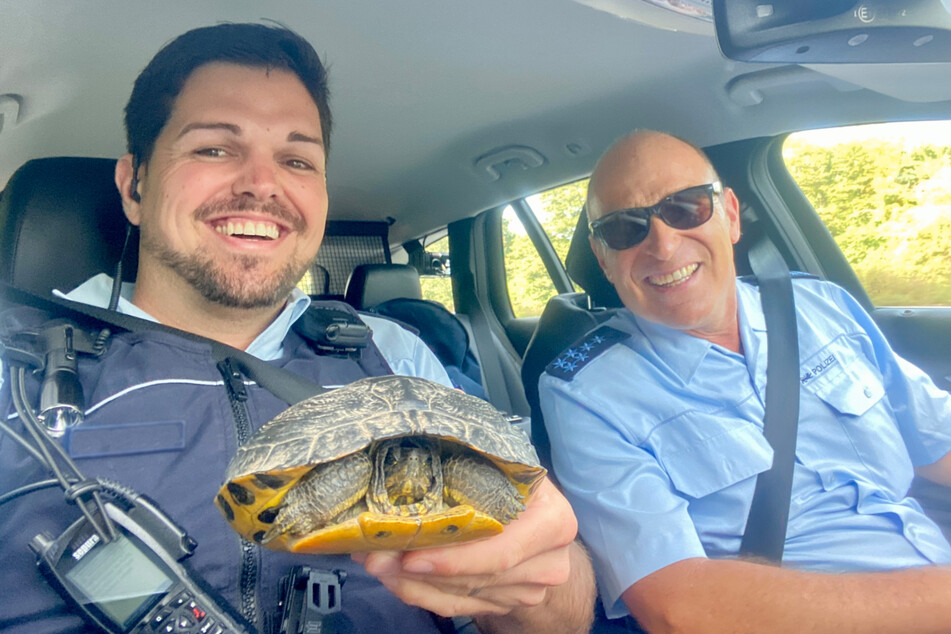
x=268 y=345
x=684 y=353
x=751 y=310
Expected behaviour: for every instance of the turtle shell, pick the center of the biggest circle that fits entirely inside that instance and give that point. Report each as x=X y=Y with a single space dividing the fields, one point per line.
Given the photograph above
x=357 y=418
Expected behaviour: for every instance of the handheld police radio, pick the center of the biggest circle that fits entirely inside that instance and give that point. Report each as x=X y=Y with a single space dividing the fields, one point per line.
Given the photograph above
x=121 y=565
x=135 y=582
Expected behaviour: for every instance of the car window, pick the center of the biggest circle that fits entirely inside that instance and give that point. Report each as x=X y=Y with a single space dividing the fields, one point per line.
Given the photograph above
x=884 y=192
x=529 y=284
x=556 y=210
x=438 y=288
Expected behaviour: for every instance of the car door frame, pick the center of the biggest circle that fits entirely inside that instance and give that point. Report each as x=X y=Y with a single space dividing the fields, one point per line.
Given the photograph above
x=756 y=170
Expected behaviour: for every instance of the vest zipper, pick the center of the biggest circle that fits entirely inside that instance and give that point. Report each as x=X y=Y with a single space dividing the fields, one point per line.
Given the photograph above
x=238 y=396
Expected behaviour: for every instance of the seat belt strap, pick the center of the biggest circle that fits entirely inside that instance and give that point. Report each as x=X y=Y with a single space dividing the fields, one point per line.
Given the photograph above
x=284 y=384
x=487 y=351
x=765 y=534
x=483 y=340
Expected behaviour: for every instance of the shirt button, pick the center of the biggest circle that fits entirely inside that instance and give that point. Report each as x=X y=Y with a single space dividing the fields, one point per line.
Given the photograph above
x=868 y=392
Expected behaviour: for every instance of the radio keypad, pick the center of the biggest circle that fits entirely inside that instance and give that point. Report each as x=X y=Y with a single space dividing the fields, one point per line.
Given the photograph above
x=182 y=615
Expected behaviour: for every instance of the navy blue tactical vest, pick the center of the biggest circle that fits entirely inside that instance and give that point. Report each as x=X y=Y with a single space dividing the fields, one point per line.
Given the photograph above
x=162 y=419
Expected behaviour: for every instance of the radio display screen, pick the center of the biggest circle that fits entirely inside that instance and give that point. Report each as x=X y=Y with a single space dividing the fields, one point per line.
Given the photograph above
x=120 y=580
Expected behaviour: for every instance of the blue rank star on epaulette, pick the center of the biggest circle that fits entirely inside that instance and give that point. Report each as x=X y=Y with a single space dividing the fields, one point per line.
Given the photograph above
x=580 y=353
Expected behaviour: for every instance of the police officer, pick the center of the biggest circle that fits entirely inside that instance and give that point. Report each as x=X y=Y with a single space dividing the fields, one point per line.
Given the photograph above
x=656 y=426
x=228 y=130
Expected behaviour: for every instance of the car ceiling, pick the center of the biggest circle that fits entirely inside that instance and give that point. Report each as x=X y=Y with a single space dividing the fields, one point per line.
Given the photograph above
x=424 y=89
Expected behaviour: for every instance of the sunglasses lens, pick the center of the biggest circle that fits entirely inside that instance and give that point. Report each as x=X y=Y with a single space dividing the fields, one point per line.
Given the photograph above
x=623 y=232
x=687 y=209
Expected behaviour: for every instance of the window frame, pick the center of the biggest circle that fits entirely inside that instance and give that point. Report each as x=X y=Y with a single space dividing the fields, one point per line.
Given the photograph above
x=543 y=246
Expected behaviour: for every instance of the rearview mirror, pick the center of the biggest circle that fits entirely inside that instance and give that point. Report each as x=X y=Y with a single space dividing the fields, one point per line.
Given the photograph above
x=834 y=31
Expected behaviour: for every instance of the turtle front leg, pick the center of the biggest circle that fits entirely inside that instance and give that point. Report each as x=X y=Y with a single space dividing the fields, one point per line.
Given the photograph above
x=473 y=480
x=321 y=495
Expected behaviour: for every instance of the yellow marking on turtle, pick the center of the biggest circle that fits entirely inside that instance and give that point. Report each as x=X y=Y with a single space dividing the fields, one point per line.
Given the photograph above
x=372 y=531
x=245 y=520
x=398 y=514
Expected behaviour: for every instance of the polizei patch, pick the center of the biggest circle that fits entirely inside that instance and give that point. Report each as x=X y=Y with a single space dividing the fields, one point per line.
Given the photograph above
x=817 y=369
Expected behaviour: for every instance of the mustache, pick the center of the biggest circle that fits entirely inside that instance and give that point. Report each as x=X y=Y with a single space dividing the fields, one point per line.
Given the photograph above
x=270 y=208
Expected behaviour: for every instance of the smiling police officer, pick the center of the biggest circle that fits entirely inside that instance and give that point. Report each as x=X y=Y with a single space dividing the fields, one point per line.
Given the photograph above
x=228 y=129
x=656 y=426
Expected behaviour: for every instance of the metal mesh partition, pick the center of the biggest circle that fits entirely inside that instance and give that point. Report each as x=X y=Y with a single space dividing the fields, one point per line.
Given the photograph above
x=346 y=244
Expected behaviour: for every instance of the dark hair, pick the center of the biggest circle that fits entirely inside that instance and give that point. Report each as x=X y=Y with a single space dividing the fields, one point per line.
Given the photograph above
x=255 y=45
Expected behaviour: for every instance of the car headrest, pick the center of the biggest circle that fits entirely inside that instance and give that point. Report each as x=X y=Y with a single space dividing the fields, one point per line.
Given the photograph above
x=584 y=270
x=372 y=284
x=61 y=222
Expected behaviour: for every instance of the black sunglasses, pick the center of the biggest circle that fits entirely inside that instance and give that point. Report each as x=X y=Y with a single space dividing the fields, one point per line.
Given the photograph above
x=685 y=209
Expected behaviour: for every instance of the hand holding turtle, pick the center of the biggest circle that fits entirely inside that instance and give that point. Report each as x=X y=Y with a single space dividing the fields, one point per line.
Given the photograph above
x=532 y=572
x=392 y=464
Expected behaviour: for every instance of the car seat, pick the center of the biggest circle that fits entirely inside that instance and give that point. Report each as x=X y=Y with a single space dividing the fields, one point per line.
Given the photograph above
x=373 y=284
x=394 y=291
x=565 y=319
x=61 y=222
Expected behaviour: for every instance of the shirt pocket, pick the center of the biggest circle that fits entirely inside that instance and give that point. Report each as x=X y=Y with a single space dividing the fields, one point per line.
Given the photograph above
x=704 y=453
x=843 y=379
x=862 y=423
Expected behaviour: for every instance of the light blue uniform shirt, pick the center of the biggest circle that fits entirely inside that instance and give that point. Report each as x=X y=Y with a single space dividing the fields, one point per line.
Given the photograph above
x=405 y=352
x=657 y=441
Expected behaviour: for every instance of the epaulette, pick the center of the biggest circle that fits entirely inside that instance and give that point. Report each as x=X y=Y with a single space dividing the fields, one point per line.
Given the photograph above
x=580 y=353
x=796 y=275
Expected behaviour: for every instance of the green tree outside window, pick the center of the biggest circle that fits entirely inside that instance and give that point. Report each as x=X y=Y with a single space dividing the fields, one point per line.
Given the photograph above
x=529 y=284
x=438 y=288
x=886 y=199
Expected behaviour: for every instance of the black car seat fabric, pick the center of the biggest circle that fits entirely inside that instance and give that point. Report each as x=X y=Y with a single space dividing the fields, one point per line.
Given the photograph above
x=394 y=291
x=372 y=284
x=61 y=222
x=566 y=318
x=444 y=334
x=584 y=269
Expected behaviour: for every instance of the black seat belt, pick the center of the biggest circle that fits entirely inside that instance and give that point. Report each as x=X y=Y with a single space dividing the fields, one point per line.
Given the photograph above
x=284 y=384
x=765 y=534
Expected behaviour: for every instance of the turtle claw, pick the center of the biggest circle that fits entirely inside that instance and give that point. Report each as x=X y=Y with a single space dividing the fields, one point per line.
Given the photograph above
x=271 y=535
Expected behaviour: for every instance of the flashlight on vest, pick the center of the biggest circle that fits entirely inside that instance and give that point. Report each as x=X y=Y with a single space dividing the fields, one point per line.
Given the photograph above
x=62 y=404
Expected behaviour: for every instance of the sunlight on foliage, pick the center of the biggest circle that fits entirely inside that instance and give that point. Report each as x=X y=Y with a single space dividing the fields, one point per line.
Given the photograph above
x=529 y=284
x=888 y=206
x=438 y=289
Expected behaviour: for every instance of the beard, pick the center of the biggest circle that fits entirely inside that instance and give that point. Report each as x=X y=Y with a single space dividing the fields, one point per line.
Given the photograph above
x=236 y=281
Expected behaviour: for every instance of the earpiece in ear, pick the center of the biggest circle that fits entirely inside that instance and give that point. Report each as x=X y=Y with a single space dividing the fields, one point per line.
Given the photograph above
x=134 y=185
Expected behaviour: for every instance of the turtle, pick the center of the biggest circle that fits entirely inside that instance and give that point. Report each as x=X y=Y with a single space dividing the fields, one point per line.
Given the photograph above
x=391 y=462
